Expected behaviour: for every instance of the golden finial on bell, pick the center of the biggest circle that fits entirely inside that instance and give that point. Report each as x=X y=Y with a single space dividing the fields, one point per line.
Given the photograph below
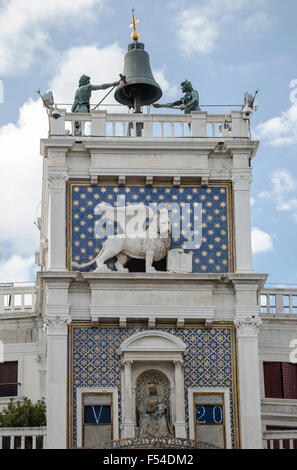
x=133 y=23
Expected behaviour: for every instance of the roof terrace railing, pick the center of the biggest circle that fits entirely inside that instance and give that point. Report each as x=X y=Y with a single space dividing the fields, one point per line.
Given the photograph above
x=103 y=124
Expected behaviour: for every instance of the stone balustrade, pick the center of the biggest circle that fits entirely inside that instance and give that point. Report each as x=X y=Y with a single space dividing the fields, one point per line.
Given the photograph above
x=23 y=438
x=280 y=440
x=278 y=301
x=103 y=124
x=17 y=299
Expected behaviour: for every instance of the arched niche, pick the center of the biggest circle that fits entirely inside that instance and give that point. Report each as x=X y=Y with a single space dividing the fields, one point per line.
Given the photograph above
x=159 y=351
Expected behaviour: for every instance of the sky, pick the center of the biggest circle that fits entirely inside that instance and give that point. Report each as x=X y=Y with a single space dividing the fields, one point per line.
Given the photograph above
x=224 y=47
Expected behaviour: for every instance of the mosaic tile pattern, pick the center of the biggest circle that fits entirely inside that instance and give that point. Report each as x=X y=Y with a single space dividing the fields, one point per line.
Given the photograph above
x=214 y=255
x=209 y=361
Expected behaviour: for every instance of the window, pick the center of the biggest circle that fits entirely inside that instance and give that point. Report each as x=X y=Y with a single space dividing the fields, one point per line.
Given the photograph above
x=9 y=379
x=280 y=379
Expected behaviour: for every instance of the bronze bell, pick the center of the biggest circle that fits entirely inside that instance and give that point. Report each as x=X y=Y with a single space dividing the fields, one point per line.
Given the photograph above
x=141 y=88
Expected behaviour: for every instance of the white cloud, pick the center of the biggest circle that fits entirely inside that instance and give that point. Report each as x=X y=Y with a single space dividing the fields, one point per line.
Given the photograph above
x=255 y=24
x=283 y=191
x=24 y=27
x=261 y=241
x=20 y=179
x=201 y=29
x=280 y=130
x=17 y=269
x=169 y=89
x=102 y=65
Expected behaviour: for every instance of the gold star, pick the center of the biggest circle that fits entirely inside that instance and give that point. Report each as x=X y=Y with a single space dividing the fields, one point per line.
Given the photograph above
x=76 y=189
x=218 y=254
x=96 y=196
x=202 y=197
x=218 y=268
x=103 y=190
x=204 y=268
x=83 y=196
x=75 y=203
x=76 y=216
x=90 y=190
x=76 y=229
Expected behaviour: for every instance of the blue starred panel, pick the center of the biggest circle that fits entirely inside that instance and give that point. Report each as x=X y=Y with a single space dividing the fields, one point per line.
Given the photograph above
x=210 y=362
x=202 y=221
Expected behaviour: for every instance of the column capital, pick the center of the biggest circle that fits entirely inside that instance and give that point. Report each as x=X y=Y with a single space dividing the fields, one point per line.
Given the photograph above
x=126 y=362
x=57 y=325
x=247 y=327
x=57 y=177
x=178 y=362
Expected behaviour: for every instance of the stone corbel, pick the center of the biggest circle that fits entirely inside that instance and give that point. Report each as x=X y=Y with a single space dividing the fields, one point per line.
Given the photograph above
x=204 y=181
x=208 y=323
x=180 y=322
x=151 y=322
x=94 y=180
x=122 y=322
x=149 y=180
x=176 y=181
x=122 y=180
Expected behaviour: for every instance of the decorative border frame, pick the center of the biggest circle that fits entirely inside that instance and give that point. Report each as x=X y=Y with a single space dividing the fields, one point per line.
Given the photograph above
x=89 y=391
x=192 y=392
x=234 y=366
x=85 y=182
